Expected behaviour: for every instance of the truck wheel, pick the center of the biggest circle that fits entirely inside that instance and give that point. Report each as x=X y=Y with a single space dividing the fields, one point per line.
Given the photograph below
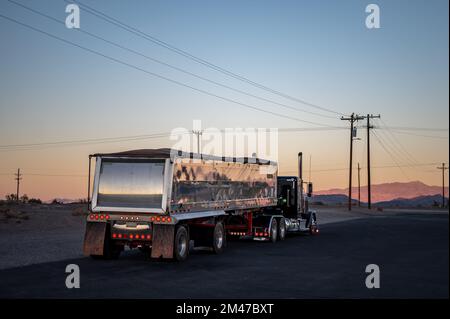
x=313 y=229
x=282 y=229
x=181 y=244
x=273 y=230
x=219 y=240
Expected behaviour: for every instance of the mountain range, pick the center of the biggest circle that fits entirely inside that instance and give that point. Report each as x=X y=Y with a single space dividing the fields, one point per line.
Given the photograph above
x=389 y=191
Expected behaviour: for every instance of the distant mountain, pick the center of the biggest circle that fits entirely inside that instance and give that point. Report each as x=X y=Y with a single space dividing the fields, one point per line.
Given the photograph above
x=334 y=199
x=420 y=201
x=390 y=191
x=62 y=200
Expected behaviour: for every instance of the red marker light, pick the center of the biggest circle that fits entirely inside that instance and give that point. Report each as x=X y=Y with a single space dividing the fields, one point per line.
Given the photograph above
x=96 y=216
x=169 y=219
x=148 y=236
x=106 y=217
x=92 y=216
x=101 y=217
x=131 y=236
x=114 y=235
x=120 y=235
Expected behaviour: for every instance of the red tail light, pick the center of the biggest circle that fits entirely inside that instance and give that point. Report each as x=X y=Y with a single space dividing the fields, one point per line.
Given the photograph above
x=114 y=235
x=120 y=236
x=106 y=217
x=148 y=237
x=96 y=216
x=131 y=236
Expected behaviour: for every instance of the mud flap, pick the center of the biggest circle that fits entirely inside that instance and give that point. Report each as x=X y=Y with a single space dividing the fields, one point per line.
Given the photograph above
x=162 y=243
x=94 y=239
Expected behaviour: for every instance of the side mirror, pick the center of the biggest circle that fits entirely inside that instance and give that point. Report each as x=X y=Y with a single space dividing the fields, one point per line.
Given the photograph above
x=310 y=190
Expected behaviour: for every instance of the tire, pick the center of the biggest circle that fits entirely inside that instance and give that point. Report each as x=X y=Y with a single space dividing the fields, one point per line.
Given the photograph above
x=313 y=229
x=181 y=244
x=282 y=229
x=219 y=240
x=273 y=230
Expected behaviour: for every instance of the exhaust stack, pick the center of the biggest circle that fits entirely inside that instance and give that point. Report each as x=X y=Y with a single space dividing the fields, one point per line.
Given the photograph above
x=300 y=166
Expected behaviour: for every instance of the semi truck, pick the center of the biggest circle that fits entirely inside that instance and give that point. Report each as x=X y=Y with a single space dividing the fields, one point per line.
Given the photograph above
x=163 y=201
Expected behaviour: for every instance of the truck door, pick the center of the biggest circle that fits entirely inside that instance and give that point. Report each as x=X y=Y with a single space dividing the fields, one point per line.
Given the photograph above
x=287 y=194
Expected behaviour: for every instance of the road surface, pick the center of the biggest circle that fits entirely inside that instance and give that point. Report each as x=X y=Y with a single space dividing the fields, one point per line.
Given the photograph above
x=411 y=251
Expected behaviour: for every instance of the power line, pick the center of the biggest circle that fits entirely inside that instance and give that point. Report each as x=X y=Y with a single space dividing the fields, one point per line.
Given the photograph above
x=93 y=141
x=172 y=48
x=405 y=151
x=171 y=66
x=420 y=135
x=286 y=172
x=403 y=128
x=390 y=154
x=158 y=75
x=395 y=148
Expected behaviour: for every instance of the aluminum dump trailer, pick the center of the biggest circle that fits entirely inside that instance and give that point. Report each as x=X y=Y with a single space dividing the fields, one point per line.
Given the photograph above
x=159 y=200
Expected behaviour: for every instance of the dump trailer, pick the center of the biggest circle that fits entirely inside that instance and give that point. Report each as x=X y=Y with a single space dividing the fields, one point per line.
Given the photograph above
x=163 y=201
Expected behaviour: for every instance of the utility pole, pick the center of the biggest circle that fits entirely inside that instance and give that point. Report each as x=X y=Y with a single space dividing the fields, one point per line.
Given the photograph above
x=359 y=185
x=198 y=133
x=353 y=118
x=369 y=190
x=18 y=178
x=443 y=168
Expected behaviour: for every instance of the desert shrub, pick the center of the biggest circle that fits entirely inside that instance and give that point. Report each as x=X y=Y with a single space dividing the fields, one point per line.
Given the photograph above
x=34 y=201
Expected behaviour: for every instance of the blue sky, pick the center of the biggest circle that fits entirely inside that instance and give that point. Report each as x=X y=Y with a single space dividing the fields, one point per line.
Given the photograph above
x=319 y=51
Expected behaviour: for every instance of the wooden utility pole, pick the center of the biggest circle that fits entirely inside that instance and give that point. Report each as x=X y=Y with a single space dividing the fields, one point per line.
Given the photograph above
x=443 y=168
x=198 y=133
x=18 y=178
x=369 y=190
x=353 y=118
x=359 y=185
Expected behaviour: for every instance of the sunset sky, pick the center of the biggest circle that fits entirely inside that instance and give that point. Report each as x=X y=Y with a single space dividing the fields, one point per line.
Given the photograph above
x=315 y=51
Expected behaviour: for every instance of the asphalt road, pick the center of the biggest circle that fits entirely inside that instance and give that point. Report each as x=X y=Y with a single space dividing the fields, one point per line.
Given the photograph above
x=411 y=251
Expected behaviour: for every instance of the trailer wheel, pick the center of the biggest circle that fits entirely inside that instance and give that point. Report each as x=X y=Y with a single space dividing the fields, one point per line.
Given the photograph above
x=181 y=244
x=219 y=240
x=282 y=229
x=273 y=230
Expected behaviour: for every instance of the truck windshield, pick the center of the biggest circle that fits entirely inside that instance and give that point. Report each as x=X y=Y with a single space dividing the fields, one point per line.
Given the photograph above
x=132 y=183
